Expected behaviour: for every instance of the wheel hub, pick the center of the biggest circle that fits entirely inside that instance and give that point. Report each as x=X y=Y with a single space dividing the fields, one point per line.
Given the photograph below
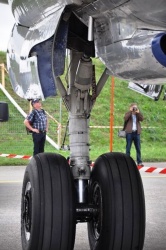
x=27 y=208
x=97 y=219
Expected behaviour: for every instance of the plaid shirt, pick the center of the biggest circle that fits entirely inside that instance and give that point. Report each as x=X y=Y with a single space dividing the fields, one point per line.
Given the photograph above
x=38 y=119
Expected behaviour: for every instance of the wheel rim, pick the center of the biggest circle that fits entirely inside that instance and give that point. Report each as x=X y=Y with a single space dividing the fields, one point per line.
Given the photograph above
x=97 y=202
x=27 y=209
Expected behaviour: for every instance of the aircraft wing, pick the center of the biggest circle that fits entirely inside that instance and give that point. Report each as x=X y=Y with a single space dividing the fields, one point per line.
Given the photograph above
x=129 y=37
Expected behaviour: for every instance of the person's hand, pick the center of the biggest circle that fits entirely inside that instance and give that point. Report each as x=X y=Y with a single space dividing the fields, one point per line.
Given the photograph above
x=35 y=130
x=134 y=109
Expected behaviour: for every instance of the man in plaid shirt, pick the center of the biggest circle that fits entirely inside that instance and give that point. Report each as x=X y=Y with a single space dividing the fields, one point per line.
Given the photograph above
x=36 y=121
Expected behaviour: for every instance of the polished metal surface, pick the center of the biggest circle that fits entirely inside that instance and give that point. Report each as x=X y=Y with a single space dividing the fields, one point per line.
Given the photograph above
x=33 y=13
x=25 y=78
x=152 y=91
x=82 y=190
x=129 y=38
x=124 y=37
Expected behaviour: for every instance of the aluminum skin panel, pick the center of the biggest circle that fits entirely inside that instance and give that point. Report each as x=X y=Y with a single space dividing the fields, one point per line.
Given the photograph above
x=133 y=59
x=24 y=76
x=124 y=38
x=29 y=13
x=124 y=35
x=47 y=52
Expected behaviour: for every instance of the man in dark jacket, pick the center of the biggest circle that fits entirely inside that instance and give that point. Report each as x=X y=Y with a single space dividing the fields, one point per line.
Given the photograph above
x=133 y=130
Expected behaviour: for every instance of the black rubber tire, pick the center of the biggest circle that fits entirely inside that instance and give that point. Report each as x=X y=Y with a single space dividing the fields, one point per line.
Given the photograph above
x=117 y=191
x=48 y=213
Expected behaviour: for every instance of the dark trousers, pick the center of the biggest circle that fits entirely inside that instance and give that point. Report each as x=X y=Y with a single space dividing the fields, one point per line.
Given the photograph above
x=39 y=142
x=134 y=137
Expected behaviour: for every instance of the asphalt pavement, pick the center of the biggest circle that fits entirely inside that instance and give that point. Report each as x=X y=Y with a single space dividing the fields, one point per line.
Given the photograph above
x=10 y=200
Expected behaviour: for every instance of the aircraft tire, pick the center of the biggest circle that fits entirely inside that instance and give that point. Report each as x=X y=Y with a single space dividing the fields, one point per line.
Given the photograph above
x=116 y=190
x=48 y=219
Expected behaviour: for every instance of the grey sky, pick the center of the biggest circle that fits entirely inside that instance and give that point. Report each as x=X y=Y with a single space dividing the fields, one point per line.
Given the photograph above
x=6 y=24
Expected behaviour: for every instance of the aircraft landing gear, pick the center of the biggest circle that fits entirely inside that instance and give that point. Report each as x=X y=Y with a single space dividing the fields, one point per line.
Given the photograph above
x=109 y=198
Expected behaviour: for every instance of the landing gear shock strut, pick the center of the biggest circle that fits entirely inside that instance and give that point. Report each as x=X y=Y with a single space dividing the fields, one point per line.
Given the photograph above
x=79 y=102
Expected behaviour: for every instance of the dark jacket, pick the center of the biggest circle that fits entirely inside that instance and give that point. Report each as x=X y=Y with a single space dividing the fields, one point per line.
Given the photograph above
x=128 y=118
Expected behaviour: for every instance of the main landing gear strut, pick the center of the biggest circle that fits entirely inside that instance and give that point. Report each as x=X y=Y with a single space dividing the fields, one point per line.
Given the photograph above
x=56 y=195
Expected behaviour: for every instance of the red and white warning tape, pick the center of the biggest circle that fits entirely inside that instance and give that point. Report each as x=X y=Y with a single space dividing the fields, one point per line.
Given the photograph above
x=142 y=169
x=152 y=170
x=25 y=157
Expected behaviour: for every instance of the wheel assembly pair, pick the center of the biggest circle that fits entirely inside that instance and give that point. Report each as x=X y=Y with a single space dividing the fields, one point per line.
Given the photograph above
x=48 y=207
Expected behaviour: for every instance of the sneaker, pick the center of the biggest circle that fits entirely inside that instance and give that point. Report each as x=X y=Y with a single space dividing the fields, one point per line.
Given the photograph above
x=140 y=164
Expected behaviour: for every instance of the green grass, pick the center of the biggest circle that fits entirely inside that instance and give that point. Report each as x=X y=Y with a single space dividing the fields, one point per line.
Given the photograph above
x=153 y=140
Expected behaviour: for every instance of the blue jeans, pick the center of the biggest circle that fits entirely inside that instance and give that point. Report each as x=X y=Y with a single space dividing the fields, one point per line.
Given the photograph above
x=134 y=137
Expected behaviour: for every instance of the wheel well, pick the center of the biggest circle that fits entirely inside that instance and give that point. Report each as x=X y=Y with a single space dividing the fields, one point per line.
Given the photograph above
x=78 y=37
